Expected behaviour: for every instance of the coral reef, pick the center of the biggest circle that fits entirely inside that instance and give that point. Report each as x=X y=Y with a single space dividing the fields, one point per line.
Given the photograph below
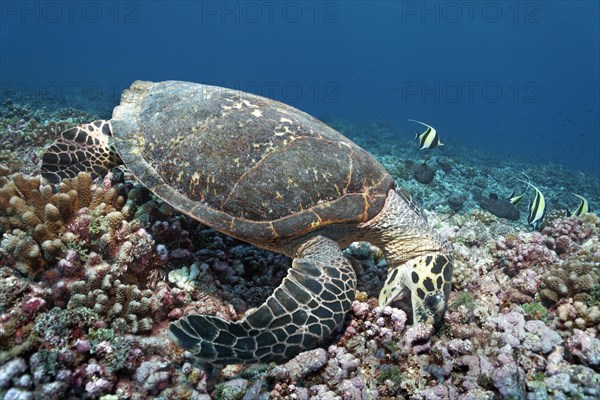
x=531 y=251
x=92 y=273
x=122 y=307
x=24 y=131
x=484 y=217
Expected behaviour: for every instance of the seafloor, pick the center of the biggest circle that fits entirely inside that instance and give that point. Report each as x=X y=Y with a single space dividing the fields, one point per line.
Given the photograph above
x=93 y=272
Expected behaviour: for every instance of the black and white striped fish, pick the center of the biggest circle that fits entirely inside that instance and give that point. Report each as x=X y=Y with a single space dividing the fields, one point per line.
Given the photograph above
x=537 y=207
x=583 y=207
x=428 y=139
x=515 y=199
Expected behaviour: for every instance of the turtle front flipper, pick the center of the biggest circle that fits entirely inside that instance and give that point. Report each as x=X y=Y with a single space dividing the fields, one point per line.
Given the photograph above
x=429 y=279
x=310 y=304
x=84 y=148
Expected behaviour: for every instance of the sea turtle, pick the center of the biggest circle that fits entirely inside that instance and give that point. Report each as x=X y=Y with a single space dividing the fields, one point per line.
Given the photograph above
x=273 y=176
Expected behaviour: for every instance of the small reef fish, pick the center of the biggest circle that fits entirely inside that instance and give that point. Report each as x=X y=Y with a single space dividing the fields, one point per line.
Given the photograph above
x=537 y=207
x=583 y=207
x=428 y=139
x=515 y=200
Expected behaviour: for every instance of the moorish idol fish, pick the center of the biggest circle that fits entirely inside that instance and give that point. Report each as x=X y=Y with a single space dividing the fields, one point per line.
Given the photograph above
x=428 y=139
x=515 y=200
x=537 y=207
x=583 y=207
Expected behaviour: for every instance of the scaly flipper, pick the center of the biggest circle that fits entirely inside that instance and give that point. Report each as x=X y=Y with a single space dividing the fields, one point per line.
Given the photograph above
x=309 y=305
x=82 y=148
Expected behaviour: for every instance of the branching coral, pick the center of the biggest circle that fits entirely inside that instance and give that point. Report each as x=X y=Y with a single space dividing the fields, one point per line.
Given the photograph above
x=58 y=326
x=576 y=314
x=125 y=308
x=34 y=219
x=574 y=278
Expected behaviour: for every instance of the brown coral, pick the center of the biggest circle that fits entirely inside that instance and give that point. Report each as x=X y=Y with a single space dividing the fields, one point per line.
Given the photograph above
x=33 y=218
x=576 y=314
x=124 y=307
x=574 y=278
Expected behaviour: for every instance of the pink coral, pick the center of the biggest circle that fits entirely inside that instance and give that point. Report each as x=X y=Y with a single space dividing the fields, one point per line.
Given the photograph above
x=573 y=228
x=98 y=387
x=585 y=348
x=70 y=264
x=525 y=251
x=418 y=337
x=32 y=305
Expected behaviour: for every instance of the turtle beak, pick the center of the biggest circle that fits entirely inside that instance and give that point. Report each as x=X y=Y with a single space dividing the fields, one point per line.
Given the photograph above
x=435 y=305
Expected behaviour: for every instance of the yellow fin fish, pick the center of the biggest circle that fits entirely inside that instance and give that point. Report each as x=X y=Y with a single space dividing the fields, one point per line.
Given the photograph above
x=515 y=200
x=537 y=207
x=583 y=207
x=428 y=139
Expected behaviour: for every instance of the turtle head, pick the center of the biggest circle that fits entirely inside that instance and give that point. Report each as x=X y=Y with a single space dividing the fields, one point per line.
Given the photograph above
x=428 y=278
x=420 y=260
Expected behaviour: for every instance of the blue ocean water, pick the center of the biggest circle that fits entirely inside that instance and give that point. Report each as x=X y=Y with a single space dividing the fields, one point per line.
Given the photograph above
x=518 y=78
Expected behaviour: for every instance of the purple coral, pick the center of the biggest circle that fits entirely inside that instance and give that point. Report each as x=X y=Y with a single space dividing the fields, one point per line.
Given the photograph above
x=585 y=348
x=573 y=229
x=525 y=251
x=70 y=265
x=417 y=337
x=153 y=376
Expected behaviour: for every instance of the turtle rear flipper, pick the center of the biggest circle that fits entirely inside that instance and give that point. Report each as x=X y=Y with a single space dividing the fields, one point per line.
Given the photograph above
x=310 y=304
x=84 y=148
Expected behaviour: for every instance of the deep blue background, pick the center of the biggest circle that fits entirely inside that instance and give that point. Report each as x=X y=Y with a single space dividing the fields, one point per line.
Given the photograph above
x=520 y=78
